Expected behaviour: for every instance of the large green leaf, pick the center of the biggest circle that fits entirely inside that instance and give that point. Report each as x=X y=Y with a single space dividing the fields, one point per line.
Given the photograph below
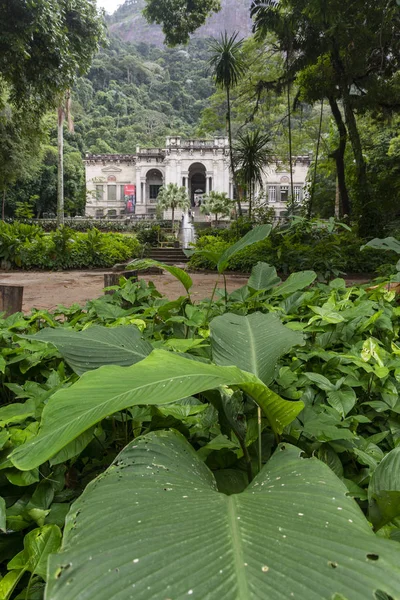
x=263 y=277
x=384 y=490
x=253 y=342
x=96 y=346
x=295 y=282
x=255 y=235
x=155 y=527
x=180 y=274
x=389 y=243
x=38 y=545
x=161 y=378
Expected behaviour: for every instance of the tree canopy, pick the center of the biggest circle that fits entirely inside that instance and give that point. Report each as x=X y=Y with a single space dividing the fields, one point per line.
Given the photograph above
x=44 y=44
x=179 y=18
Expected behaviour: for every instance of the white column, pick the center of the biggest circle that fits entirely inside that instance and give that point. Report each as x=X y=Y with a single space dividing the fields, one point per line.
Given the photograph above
x=143 y=190
x=186 y=177
x=179 y=173
x=138 y=190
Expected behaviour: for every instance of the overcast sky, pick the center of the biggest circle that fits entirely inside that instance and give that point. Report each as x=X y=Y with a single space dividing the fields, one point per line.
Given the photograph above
x=109 y=5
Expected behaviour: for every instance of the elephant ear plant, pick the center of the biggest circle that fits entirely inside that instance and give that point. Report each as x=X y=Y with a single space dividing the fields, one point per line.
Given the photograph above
x=155 y=526
x=389 y=244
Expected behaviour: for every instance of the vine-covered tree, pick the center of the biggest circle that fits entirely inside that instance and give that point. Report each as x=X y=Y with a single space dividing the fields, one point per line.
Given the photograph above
x=358 y=45
x=43 y=46
x=19 y=134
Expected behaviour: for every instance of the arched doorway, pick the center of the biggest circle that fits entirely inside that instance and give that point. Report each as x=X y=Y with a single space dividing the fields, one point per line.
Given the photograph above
x=154 y=181
x=197 y=182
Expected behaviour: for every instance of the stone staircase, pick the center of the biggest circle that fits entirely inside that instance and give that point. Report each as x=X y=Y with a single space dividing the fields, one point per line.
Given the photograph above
x=169 y=256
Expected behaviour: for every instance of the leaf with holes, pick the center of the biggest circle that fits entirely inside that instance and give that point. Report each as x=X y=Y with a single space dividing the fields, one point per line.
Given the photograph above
x=293 y=532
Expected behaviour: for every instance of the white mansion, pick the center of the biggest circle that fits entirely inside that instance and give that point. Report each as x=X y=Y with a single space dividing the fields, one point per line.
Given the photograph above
x=122 y=184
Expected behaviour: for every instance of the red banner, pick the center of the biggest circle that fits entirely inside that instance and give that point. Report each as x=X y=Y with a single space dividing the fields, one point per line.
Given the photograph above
x=130 y=190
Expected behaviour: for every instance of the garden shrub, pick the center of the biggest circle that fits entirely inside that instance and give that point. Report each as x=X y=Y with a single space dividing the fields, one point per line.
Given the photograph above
x=298 y=248
x=28 y=247
x=82 y=225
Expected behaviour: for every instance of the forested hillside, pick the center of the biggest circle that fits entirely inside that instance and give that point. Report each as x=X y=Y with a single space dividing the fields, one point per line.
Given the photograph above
x=134 y=94
x=138 y=94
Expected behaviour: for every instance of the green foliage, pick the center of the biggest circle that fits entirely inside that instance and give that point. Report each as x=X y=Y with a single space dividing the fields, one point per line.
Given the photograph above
x=304 y=245
x=286 y=503
x=179 y=19
x=221 y=256
x=163 y=377
x=177 y=272
x=44 y=44
x=216 y=203
x=23 y=210
x=27 y=246
x=254 y=342
x=172 y=197
x=252 y=154
x=330 y=55
x=134 y=364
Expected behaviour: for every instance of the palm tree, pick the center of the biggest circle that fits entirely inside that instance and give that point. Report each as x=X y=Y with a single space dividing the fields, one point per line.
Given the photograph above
x=252 y=154
x=228 y=66
x=216 y=203
x=172 y=197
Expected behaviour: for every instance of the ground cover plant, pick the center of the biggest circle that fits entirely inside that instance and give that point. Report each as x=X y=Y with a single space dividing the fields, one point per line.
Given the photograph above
x=254 y=435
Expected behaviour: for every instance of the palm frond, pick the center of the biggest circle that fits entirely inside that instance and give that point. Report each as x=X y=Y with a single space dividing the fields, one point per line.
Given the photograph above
x=227 y=62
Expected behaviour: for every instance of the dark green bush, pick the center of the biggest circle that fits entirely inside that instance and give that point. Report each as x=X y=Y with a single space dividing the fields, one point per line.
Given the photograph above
x=290 y=249
x=29 y=247
x=107 y=225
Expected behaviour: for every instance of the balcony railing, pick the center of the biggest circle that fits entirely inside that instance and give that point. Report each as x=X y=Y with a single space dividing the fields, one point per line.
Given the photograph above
x=197 y=144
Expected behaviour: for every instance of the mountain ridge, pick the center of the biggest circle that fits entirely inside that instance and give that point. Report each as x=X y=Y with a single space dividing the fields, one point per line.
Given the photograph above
x=130 y=25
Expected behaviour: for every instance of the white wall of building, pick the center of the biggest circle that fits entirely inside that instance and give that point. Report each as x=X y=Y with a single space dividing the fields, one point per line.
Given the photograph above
x=195 y=164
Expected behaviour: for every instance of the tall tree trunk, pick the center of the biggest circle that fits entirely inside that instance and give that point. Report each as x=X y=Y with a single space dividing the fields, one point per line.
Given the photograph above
x=314 y=181
x=3 y=204
x=338 y=155
x=60 y=187
x=290 y=133
x=250 y=200
x=337 y=200
x=228 y=116
x=367 y=210
x=173 y=217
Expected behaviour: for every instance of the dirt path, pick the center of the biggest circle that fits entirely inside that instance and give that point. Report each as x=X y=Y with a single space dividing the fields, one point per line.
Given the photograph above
x=44 y=289
x=48 y=289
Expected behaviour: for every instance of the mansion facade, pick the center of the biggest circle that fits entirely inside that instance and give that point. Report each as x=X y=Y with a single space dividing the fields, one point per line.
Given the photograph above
x=128 y=184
